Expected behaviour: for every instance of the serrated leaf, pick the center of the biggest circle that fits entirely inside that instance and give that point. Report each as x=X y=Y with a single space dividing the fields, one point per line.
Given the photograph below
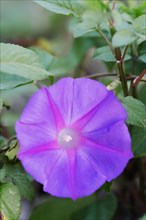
x=59 y=209
x=123 y=37
x=10 y=207
x=20 y=179
x=46 y=58
x=65 y=7
x=138 y=136
x=19 y=65
x=136 y=111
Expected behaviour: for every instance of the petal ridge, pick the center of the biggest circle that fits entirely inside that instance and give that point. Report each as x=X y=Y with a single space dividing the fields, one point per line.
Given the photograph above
x=82 y=121
x=71 y=154
x=93 y=163
x=53 y=166
x=37 y=126
x=56 y=112
x=40 y=149
x=87 y=122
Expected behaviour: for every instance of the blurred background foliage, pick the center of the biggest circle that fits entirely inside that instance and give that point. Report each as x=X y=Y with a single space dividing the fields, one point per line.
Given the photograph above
x=71 y=46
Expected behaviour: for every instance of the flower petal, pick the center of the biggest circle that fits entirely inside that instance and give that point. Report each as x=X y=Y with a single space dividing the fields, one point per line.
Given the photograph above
x=110 y=162
x=33 y=136
x=114 y=137
x=109 y=111
x=39 y=164
x=74 y=176
x=40 y=110
x=86 y=95
x=75 y=97
x=57 y=178
x=88 y=177
x=62 y=94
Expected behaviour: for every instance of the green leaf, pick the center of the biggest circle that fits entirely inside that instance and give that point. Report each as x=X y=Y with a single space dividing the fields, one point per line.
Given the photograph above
x=46 y=58
x=143 y=217
x=123 y=37
x=107 y=186
x=10 y=202
x=9 y=81
x=139 y=25
x=102 y=209
x=20 y=179
x=65 y=7
x=136 y=111
x=138 y=136
x=1 y=104
x=13 y=150
x=134 y=8
x=120 y=22
x=59 y=209
x=142 y=58
x=3 y=142
x=81 y=29
x=91 y=21
x=105 y=54
x=51 y=79
x=2 y=174
x=114 y=84
x=96 y=4
x=19 y=65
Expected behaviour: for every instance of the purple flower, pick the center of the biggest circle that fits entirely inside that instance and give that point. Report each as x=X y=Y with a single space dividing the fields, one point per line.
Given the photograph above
x=73 y=137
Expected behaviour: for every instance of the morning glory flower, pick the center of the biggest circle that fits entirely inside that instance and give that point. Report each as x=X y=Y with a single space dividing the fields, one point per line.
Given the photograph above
x=73 y=137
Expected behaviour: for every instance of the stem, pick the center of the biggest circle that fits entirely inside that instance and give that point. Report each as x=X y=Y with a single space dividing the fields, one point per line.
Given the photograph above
x=125 y=51
x=112 y=74
x=134 y=77
x=113 y=4
x=139 y=78
x=37 y=84
x=119 y=59
x=107 y=41
x=100 y=75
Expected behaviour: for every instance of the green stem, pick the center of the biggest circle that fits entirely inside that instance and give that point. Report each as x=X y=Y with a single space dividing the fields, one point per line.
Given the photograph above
x=107 y=41
x=100 y=75
x=125 y=51
x=119 y=59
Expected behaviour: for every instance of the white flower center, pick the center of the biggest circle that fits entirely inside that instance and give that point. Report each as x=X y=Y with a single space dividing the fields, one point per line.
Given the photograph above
x=68 y=138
